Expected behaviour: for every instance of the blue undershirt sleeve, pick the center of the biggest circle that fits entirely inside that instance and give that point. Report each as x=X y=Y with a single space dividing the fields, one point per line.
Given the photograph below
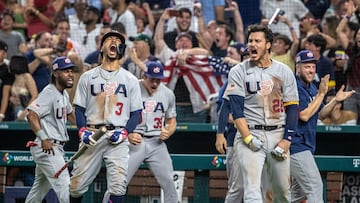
x=291 y=122
x=223 y=116
x=237 y=106
x=80 y=116
x=133 y=121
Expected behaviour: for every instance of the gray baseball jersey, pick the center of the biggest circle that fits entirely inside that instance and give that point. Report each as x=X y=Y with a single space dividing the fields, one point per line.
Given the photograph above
x=152 y=150
x=265 y=91
x=52 y=108
x=156 y=108
x=106 y=96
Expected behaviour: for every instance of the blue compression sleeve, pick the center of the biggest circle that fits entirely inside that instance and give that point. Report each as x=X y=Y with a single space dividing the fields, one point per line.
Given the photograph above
x=292 y=117
x=224 y=116
x=237 y=106
x=133 y=121
x=80 y=116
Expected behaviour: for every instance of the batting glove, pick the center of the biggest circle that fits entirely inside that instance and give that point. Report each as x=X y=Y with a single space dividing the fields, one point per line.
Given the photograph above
x=86 y=136
x=117 y=137
x=278 y=153
x=253 y=142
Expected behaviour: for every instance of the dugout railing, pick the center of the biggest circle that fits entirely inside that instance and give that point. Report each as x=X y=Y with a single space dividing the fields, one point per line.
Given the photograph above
x=192 y=149
x=188 y=162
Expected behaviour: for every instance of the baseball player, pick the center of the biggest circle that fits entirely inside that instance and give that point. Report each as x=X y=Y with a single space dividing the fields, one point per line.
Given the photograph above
x=306 y=178
x=147 y=141
x=235 y=54
x=148 y=138
x=47 y=116
x=259 y=88
x=109 y=96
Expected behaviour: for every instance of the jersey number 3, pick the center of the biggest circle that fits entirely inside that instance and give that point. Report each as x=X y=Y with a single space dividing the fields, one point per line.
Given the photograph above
x=119 y=111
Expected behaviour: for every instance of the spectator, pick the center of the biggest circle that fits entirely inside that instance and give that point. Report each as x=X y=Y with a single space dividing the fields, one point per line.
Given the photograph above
x=294 y=11
x=41 y=16
x=223 y=37
x=23 y=90
x=85 y=36
x=209 y=34
x=37 y=67
x=316 y=7
x=76 y=19
x=92 y=59
x=146 y=26
x=119 y=12
x=338 y=116
x=338 y=8
x=283 y=49
x=213 y=10
x=316 y=44
x=18 y=11
x=138 y=55
x=5 y=85
x=190 y=101
x=14 y=40
x=183 y=21
x=62 y=37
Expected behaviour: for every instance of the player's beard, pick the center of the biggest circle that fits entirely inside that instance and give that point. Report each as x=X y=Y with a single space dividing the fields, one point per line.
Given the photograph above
x=65 y=83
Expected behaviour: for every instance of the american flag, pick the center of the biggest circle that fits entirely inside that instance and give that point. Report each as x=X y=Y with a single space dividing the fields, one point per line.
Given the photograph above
x=220 y=68
x=199 y=78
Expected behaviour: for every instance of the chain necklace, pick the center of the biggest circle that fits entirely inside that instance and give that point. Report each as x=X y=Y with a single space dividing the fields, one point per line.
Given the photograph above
x=113 y=74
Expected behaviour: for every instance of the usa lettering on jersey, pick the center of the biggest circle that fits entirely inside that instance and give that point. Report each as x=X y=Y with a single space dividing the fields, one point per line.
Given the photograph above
x=109 y=88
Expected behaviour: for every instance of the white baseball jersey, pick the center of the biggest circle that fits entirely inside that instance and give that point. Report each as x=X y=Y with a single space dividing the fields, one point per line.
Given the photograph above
x=106 y=96
x=52 y=107
x=264 y=91
x=156 y=108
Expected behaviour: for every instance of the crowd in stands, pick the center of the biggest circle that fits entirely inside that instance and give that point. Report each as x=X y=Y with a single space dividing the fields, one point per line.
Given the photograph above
x=194 y=40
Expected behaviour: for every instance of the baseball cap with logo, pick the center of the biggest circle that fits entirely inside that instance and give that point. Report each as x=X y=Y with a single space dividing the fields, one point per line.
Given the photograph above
x=141 y=37
x=154 y=70
x=62 y=63
x=305 y=56
x=3 y=46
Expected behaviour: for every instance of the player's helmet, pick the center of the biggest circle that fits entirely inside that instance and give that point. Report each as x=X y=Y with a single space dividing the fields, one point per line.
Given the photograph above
x=121 y=48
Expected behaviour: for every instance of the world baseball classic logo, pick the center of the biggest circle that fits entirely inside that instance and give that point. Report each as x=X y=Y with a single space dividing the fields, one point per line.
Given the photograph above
x=7 y=158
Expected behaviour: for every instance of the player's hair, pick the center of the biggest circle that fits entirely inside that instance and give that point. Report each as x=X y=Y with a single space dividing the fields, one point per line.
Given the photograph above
x=269 y=36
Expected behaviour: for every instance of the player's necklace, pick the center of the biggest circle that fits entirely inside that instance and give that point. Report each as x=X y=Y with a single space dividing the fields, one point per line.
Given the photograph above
x=110 y=74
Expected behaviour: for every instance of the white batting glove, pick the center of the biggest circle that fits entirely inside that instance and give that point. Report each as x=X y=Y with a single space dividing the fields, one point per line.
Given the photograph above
x=253 y=142
x=278 y=153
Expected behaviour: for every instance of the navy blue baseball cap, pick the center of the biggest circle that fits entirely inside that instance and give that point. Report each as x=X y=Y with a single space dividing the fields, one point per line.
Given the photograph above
x=305 y=56
x=154 y=70
x=62 y=63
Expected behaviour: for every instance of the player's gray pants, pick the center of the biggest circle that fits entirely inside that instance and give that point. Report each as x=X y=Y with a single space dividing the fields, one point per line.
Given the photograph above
x=252 y=163
x=46 y=167
x=306 y=178
x=235 y=182
x=154 y=152
x=88 y=165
